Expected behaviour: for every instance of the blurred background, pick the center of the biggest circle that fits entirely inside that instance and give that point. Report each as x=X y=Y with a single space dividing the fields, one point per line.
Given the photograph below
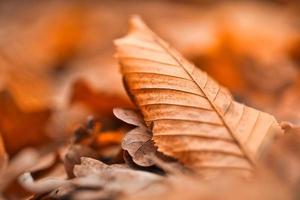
x=57 y=65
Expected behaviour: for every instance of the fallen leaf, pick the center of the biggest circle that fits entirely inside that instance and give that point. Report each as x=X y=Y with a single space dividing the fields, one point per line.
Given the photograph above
x=139 y=145
x=129 y=116
x=190 y=187
x=31 y=90
x=21 y=129
x=22 y=162
x=192 y=117
x=73 y=155
x=41 y=186
x=97 y=101
x=45 y=163
x=116 y=177
x=138 y=141
x=283 y=158
x=44 y=34
x=250 y=37
x=87 y=182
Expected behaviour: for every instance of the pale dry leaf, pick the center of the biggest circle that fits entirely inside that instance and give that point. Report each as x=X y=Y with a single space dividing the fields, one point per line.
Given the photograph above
x=45 y=162
x=58 y=187
x=90 y=166
x=61 y=192
x=140 y=147
x=116 y=178
x=73 y=155
x=22 y=162
x=40 y=186
x=129 y=116
x=93 y=195
x=192 y=117
x=70 y=186
x=137 y=142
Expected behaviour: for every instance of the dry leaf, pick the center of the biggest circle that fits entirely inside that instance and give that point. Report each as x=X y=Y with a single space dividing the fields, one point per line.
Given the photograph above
x=290 y=128
x=138 y=141
x=129 y=116
x=46 y=162
x=192 y=188
x=32 y=90
x=21 y=129
x=72 y=157
x=192 y=117
x=97 y=101
x=22 y=162
x=40 y=186
x=287 y=108
x=283 y=158
x=77 y=185
x=139 y=145
x=56 y=68
x=116 y=177
x=45 y=34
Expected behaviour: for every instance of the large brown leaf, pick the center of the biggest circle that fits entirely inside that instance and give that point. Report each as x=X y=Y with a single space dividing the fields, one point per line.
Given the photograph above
x=192 y=117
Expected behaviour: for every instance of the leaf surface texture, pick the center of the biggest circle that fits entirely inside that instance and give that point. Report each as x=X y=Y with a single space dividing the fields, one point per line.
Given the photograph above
x=192 y=117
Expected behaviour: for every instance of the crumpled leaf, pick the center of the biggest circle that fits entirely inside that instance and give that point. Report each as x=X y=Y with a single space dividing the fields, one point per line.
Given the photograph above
x=58 y=186
x=138 y=142
x=70 y=187
x=22 y=162
x=139 y=145
x=41 y=186
x=192 y=117
x=116 y=177
x=45 y=163
x=73 y=155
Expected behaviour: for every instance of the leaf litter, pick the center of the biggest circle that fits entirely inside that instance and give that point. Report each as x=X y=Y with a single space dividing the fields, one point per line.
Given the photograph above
x=69 y=130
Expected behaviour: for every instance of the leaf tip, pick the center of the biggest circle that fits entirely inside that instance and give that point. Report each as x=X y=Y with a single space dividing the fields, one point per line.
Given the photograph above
x=136 y=22
x=116 y=111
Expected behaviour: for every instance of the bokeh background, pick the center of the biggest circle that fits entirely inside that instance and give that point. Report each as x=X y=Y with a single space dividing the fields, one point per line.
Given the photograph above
x=57 y=65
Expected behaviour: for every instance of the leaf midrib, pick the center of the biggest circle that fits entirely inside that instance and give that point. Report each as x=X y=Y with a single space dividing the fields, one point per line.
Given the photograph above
x=248 y=155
